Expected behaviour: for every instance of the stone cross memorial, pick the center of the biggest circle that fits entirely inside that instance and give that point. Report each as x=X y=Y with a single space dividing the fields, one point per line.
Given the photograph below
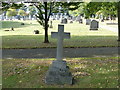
x=58 y=72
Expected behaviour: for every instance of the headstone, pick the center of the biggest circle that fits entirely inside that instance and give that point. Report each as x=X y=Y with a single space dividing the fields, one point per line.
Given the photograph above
x=58 y=72
x=51 y=24
x=22 y=24
x=88 y=21
x=71 y=21
x=12 y=29
x=80 y=21
x=64 y=21
x=102 y=20
x=94 y=25
x=78 y=18
x=36 y=31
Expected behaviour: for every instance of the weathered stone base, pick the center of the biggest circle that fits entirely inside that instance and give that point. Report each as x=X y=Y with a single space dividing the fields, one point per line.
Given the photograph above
x=93 y=28
x=58 y=73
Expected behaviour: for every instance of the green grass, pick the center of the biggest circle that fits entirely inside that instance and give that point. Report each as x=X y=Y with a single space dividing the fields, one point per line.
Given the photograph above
x=31 y=41
x=28 y=28
x=9 y=24
x=96 y=72
x=81 y=36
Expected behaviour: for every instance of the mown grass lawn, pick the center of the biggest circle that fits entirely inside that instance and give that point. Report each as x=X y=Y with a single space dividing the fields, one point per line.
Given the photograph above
x=96 y=72
x=75 y=41
x=81 y=36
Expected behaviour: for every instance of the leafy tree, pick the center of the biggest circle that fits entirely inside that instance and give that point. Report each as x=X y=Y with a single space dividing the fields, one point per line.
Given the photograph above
x=45 y=10
x=109 y=9
x=104 y=8
x=78 y=11
x=119 y=21
x=11 y=12
x=32 y=10
x=6 y=6
x=22 y=13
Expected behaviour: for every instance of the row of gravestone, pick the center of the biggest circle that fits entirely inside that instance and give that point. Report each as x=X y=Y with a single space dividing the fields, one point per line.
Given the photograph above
x=94 y=25
x=65 y=21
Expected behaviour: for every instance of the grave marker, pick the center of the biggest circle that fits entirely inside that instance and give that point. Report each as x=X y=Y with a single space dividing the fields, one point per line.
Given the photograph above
x=80 y=21
x=36 y=31
x=51 y=26
x=64 y=21
x=88 y=21
x=94 y=25
x=58 y=72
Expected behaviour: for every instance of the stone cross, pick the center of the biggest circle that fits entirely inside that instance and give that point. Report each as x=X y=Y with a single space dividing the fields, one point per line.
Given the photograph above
x=58 y=72
x=60 y=35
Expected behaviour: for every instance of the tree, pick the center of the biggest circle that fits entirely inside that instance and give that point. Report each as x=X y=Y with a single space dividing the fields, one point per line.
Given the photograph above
x=43 y=16
x=78 y=11
x=22 y=13
x=109 y=9
x=46 y=9
x=32 y=10
x=119 y=21
x=11 y=12
x=104 y=8
x=6 y=6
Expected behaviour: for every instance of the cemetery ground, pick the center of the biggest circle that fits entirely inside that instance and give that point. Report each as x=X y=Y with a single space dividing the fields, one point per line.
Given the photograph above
x=89 y=72
x=81 y=36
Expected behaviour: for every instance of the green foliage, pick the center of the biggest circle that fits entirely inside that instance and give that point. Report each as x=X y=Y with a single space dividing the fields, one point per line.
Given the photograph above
x=53 y=7
x=22 y=13
x=11 y=12
x=77 y=11
x=6 y=6
x=32 y=10
x=104 y=8
x=109 y=8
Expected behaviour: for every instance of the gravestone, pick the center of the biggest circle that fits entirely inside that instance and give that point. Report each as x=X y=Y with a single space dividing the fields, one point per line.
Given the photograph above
x=94 y=25
x=78 y=18
x=102 y=20
x=58 y=72
x=51 y=24
x=80 y=21
x=36 y=31
x=88 y=21
x=64 y=21
x=71 y=21
x=22 y=24
x=12 y=29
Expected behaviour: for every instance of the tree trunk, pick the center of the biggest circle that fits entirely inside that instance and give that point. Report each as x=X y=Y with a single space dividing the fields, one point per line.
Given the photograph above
x=46 y=25
x=119 y=21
